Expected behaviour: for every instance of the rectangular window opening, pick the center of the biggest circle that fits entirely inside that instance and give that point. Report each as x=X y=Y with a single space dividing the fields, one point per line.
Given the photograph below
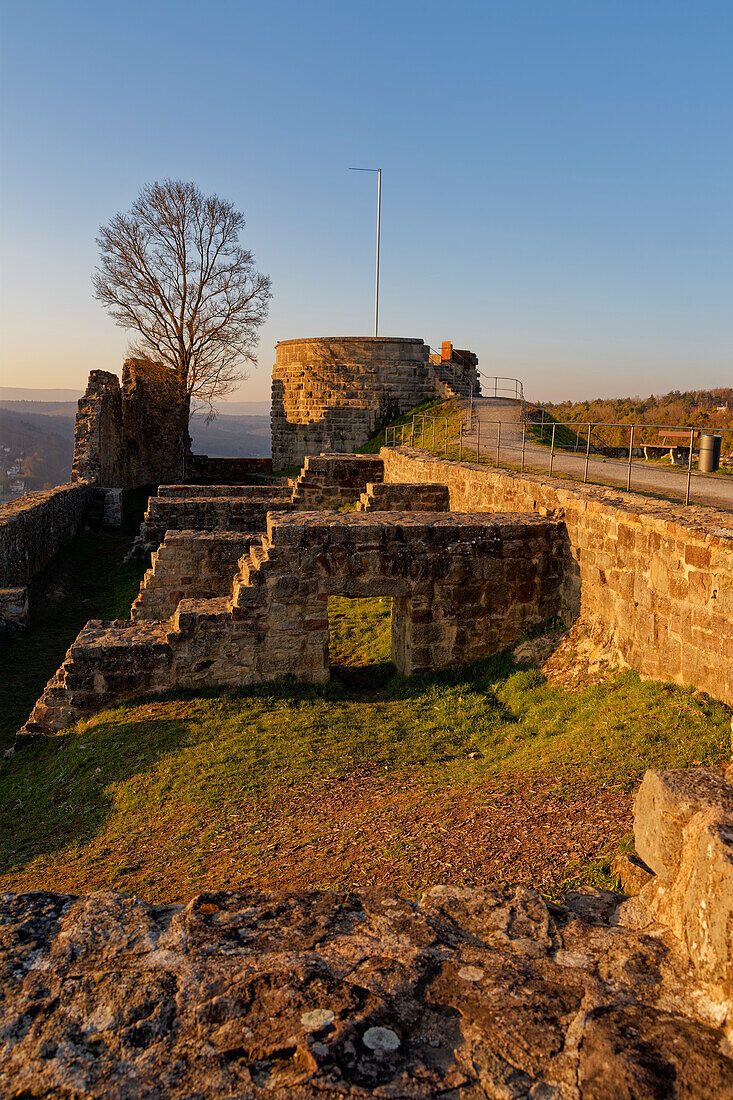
x=359 y=632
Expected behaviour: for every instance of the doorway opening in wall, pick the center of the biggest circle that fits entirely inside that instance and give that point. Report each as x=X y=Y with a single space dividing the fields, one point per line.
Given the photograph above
x=360 y=638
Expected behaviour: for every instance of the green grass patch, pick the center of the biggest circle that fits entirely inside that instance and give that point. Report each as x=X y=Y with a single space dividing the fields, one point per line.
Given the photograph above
x=433 y=407
x=358 y=781
x=360 y=631
x=540 y=430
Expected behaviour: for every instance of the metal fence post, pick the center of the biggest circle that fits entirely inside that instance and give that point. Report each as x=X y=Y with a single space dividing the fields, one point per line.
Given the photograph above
x=422 y=432
x=498 y=442
x=631 y=451
x=689 y=467
x=478 y=442
x=552 y=449
x=587 y=456
x=524 y=437
x=460 y=441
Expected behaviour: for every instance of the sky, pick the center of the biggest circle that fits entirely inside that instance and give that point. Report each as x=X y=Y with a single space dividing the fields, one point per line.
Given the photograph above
x=557 y=176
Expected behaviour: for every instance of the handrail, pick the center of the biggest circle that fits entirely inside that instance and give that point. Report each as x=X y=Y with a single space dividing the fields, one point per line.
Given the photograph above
x=459 y=443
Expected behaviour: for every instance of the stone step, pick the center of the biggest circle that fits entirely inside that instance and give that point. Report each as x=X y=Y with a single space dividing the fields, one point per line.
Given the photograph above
x=192 y=614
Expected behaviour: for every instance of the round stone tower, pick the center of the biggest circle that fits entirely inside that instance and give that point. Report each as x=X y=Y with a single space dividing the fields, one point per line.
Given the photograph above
x=327 y=392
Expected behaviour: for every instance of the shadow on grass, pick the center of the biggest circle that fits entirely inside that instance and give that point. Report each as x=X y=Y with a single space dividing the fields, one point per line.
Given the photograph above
x=60 y=791
x=163 y=770
x=88 y=579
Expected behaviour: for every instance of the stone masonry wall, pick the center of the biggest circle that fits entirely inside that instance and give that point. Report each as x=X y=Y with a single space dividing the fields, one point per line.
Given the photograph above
x=13 y=610
x=463 y=587
x=203 y=470
x=196 y=565
x=240 y=508
x=131 y=434
x=332 y=480
x=37 y=525
x=396 y=497
x=326 y=392
x=657 y=576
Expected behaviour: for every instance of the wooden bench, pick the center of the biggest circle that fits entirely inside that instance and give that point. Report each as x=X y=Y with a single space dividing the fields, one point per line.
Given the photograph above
x=676 y=442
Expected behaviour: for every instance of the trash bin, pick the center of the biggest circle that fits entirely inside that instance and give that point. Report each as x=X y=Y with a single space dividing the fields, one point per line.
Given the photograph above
x=709 y=460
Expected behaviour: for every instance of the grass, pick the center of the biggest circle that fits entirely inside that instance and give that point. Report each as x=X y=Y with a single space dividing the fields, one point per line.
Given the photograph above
x=433 y=407
x=464 y=776
x=359 y=631
x=540 y=430
x=88 y=579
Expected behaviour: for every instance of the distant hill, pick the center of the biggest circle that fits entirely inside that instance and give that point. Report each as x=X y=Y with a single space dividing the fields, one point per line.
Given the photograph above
x=25 y=393
x=37 y=439
x=45 y=408
x=35 y=451
x=245 y=436
x=711 y=409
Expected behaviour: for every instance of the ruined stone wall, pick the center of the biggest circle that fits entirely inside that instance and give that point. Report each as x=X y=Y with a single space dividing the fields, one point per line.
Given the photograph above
x=241 y=508
x=198 y=565
x=397 y=497
x=657 y=576
x=332 y=480
x=37 y=525
x=326 y=392
x=463 y=587
x=131 y=434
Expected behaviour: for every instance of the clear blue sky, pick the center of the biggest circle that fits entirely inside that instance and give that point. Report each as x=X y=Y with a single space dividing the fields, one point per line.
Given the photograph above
x=558 y=175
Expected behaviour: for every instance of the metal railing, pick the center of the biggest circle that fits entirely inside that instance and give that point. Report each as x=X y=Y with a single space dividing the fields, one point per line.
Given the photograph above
x=538 y=445
x=462 y=372
x=500 y=386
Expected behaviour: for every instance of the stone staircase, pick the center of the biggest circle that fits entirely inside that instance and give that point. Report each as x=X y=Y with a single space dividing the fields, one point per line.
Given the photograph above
x=189 y=564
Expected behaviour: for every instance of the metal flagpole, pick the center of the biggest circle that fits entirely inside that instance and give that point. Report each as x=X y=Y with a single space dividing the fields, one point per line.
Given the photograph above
x=379 y=219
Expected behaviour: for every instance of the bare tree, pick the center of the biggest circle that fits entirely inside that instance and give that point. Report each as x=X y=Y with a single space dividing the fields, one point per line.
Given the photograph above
x=173 y=271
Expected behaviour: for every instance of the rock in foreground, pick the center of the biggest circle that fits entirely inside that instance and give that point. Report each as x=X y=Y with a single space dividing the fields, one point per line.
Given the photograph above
x=468 y=994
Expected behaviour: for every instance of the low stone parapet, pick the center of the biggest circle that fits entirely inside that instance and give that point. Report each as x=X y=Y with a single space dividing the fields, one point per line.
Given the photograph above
x=655 y=576
x=37 y=525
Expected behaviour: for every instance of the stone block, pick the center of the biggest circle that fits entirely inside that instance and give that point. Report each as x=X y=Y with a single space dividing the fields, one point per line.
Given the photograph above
x=13 y=610
x=665 y=803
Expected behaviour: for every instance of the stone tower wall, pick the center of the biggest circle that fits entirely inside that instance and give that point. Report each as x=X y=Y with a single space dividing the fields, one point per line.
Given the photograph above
x=326 y=392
